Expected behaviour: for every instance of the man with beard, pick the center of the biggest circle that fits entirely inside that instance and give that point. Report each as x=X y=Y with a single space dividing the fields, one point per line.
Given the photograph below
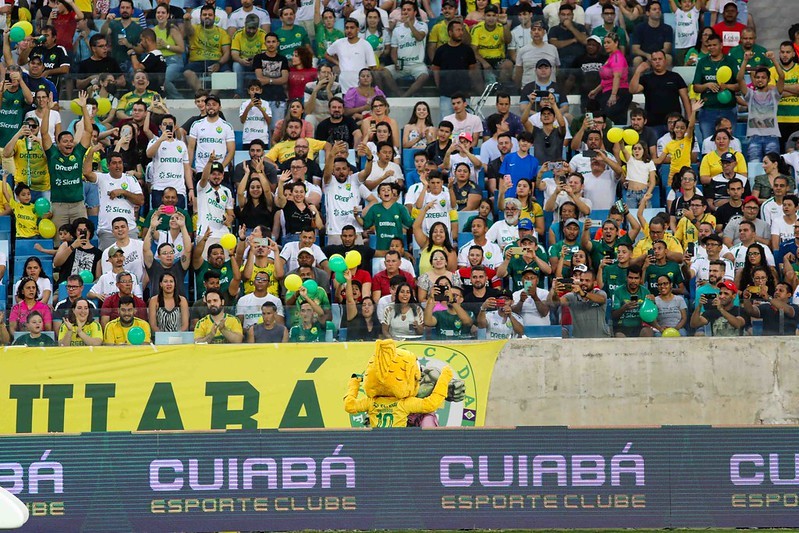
x=505 y=144
x=351 y=241
x=272 y=70
x=383 y=282
x=55 y=58
x=286 y=150
x=533 y=257
x=228 y=271
x=110 y=308
x=351 y=54
x=342 y=194
x=699 y=264
x=116 y=331
x=205 y=137
x=750 y=211
x=627 y=301
x=256 y=151
x=217 y=327
x=606 y=246
x=209 y=47
x=788 y=110
x=338 y=127
x=724 y=318
x=479 y=292
x=123 y=34
x=506 y=231
x=451 y=63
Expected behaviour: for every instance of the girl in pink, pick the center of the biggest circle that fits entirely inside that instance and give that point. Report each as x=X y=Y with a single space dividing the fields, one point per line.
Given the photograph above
x=612 y=93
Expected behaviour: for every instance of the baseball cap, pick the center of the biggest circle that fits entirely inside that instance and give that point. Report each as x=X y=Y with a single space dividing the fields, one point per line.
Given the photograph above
x=712 y=237
x=530 y=238
x=115 y=250
x=571 y=221
x=491 y=8
x=306 y=251
x=546 y=108
x=538 y=23
x=216 y=166
x=728 y=285
x=580 y=268
x=728 y=157
x=531 y=270
x=543 y=63
x=525 y=223
x=35 y=57
x=596 y=38
x=450 y=3
x=751 y=198
x=252 y=21
x=465 y=135
x=730 y=3
x=213 y=97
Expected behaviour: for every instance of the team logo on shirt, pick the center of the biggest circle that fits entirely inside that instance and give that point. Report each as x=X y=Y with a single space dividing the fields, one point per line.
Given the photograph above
x=52 y=57
x=224 y=197
x=348 y=186
x=219 y=129
x=396 y=217
x=442 y=203
x=179 y=247
x=72 y=158
x=489 y=255
x=314 y=330
x=180 y=149
x=124 y=186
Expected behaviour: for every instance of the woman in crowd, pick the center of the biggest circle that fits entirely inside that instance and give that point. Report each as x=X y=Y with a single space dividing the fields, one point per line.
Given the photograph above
x=438 y=269
x=683 y=189
x=437 y=239
x=711 y=166
x=380 y=113
x=301 y=72
x=530 y=207
x=419 y=131
x=33 y=270
x=361 y=322
x=404 y=318
x=376 y=35
x=42 y=102
x=672 y=309
x=693 y=55
x=382 y=133
x=567 y=210
x=755 y=260
x=170 y=42
x=128 y=147
x=27 y=294
x=773 y=166
x=79 y=327
x=632 y=11
x=358 y=99
x=486 y=210
x=255 y=205
x=168 y=311
x=296 y=109
x=463 y=193
x=80 y=254
x=477 y=15
x=565 y=268
x=612 y=93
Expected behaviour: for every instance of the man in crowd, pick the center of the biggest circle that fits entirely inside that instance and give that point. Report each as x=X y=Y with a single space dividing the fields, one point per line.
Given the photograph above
x=627 y=301
x=118 y=329
x=217 y=327
x=586 y=303
x=721 y=315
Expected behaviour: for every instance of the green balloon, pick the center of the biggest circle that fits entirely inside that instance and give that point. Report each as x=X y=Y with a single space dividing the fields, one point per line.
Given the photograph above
x=311 y=286
x=86 y=276
x=340 y=278
x=42 y=206
x=724 y=97
x=337 y=263
x=136 y=335
x=649 y=311
x=16 y=34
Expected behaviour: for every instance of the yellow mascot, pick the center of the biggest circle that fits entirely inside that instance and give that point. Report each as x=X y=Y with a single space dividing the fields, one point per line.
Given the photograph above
x=391 y=383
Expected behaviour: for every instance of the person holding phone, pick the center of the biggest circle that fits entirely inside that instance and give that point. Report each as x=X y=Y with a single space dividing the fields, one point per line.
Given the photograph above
x=721 y=317
x=171 y=168
x=530 y=302
x=627 y=301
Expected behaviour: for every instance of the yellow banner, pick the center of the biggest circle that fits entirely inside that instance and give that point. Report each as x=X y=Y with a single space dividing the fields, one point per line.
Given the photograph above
x=206 y=387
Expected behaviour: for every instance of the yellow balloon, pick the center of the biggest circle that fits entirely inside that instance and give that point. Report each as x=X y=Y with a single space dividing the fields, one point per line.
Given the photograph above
x=26 y=26
x=630 y=136
x=353 y=258
x=723 y=74
x=292 y=282
x=74 y=106
x=25 y=14
x=46 y=228
x=103 y=106
x=615 y=135
x=228 y=241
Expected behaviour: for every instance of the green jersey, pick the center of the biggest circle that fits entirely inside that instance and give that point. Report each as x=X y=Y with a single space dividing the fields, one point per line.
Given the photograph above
x=11 y=114
x=600 y=247
x=40 y=341
x=325 y=38
x=225 y=276
x=554 y=250
x=320 y=298
x=449 y=325
x=291 y=39
x=706 y=70
x=653 y=272
x=316 y=333
x=613 y=277
x=517 y=265
x=631 y=318
x=66 y=174
x=132 y=33
x=758 y=60
x=389 y=222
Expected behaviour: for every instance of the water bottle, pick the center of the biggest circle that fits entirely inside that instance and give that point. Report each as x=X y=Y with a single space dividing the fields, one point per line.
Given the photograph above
x=330 y=331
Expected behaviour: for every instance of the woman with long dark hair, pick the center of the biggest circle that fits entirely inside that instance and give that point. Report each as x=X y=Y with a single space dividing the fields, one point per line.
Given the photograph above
x=27 y=293
x=773 y=166
x=404 y=319
x=168 y=310
x=683 y=189
x=255 y=205
x=301 y=71
x=358 y=99
x=362 y=323
x=419 y=131
x=436 y=239
x=80 y=328
x=34 y=270
x=296 y=109
x=612 y=93
x=755 y=259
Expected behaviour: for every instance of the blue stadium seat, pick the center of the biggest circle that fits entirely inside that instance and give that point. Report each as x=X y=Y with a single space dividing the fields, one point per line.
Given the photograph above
x=3 y=296
x=176 y=337
x=407 y=160
x=19 y=266
x=755 y=168
x=463 y=238
x=25 y=247
x=5 y=227
x=238 y=134
x=543 y=331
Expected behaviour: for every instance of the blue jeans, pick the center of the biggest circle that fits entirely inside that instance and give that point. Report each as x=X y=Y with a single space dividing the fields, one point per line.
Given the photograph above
x=91 y=195
x=174 y=71
x=760 y=145
x=707 y=119
x=633 y=198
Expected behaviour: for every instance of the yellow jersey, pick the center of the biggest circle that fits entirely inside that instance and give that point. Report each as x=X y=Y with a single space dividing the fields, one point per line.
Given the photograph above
x=687 y=231
x=711 y=164
x=249 y=286
x=92 y=329
x=248 y=47
x=116 y=333
x=386 y=412
x=490 y=43
x=788 y=109
x=27 y=220
x=206 y=45
x=206 y=324
x=30 y=166
x=644 y=245
x=283 y=151
x=680 y=152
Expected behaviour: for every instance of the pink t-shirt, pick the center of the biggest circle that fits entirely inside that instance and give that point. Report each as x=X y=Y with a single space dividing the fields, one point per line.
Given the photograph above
x=615 y=63
x=20 y=312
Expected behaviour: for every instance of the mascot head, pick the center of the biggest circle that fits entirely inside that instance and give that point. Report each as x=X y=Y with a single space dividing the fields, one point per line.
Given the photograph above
x=391 y=372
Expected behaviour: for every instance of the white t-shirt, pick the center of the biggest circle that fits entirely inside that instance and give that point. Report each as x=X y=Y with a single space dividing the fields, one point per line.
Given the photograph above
x=686 y=28
x=782 y=228
x=352 y=58
x=638 y=171
x=220 y=17
x=530 y=314
x=107 y=284
x=249 y=305
x=456 y=159
x=792 y=159
x=117 y=207
x=255 y=126
x=305 y=10
x=212 y=207
x=55 y=118
x=291 y=250
x=601 y=190
x=360 y=16
x=439 y=212
x=519 y=37
x=471 y=124
x=492 y=254
x=237 y=18
x=593 y=17
x=502 y=233
x=177 y=243
x=409 y=49
x=340 y=199
x=167 y=165
x=377 y=172
x=739 y=253
x=134 y=258
x=770 y=210
x=210 y=137
x=489 y=150
x=701 y=268
x=499 y=328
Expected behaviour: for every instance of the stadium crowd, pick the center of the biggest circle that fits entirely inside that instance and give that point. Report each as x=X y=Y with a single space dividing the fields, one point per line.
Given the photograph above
x=314 y=215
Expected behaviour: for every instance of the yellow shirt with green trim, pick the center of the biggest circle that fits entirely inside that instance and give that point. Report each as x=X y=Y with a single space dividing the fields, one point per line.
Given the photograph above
x=27 y=221
x=711 y=164
x=206 y=45
x=206 y=324
x=645 y=244
x=788 y=109
x=128 y=99
x=490 y=43
x=246 y=46
x=687 y=231
x=116 y=333
x=30 y=166
x=283 y=151
x=92 y=329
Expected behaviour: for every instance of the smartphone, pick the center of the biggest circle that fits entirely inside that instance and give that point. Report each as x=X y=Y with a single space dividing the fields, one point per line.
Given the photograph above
x=516 y=250
x=83 y=233
x=527 y=285
x=157 y=98
x=609 y=254
x=589 y=153
x=710 y=297
x=170 y=127
x=500 y=302
x=562 y=179
x=691 y=248
x=589 y=117
x=651 y=252
x=556 y=166
x=8 y=77
x=634 y=298
x=262 y=242
x=753 y=289
x=168 y=209
x=542 y=94
x=508 y=180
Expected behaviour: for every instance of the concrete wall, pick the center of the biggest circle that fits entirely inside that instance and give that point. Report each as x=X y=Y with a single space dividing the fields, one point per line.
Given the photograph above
x=646 y=382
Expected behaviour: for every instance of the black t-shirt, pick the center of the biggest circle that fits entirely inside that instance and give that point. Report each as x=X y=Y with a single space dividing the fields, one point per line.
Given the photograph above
x=78 y=260
x=727 y=212
x=551 y=88
x=589 y=71
x=662 y=96
x=493 y=168
x=773 y=324
x=238 y=173
x=155 y=67
x=569 y=52
x=54 y=57
x=341 y=131
x=271 y=67
x=454 y=62
x=472 y=303
x=435 y=153
x=91 y=66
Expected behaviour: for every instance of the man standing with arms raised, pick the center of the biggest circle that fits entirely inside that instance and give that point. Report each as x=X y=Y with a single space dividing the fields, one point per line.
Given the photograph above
x=664 y=91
